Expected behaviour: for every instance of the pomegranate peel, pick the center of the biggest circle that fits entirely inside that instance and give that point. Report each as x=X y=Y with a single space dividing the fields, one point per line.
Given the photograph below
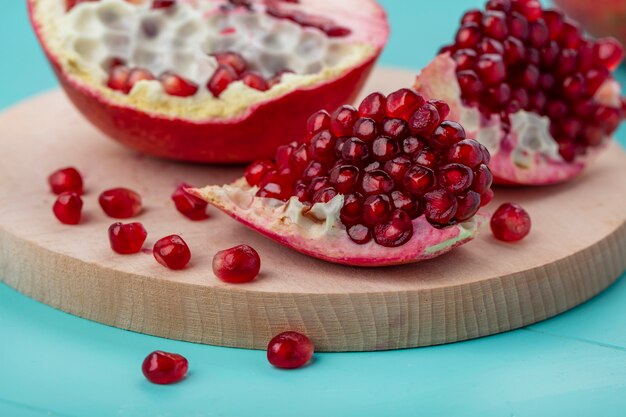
x=317 y=231
x=179 y=117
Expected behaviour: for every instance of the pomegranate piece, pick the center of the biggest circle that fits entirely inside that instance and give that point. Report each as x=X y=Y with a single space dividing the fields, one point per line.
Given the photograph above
x=172 y=252
x=66 y=180
x=164 y=368
x=120 y=203
x=67 y=208
x=189 y=205
x=510 y=223
x=530 y=80
x=337 y=193
x=191 y=77
x=127 y=239
x=290 y=350
x=237 y=265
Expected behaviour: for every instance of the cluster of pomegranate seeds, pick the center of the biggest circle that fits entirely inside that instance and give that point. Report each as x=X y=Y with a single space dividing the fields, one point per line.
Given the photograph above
x=120 y=203
x=237 y=265
x=127 y=239
x=192 y=207
x=68 y=208
x=172 y=252
x=394 y=158
x=290 y=350
x=516 y=55
x=164 y=368
x=66 y=180
x=510 y=223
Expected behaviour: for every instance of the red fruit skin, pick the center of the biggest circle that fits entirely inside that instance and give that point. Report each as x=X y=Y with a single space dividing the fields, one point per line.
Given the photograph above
x=290 y=350
x=164 y=368
x=254 y=135
x=66 y=180
x=172 y=252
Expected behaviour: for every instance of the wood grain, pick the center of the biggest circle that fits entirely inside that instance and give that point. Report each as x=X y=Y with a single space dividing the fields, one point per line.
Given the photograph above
x=576 y=249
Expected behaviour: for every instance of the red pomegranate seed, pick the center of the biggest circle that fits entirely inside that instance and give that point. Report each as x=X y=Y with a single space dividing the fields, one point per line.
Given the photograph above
x=255 y=172
x=470 y=84
x=164 y=368
x=447 y=134
x=136 y=75
x=395 y=232
x=127 y=238
x=342 y=120
x=221 y=79
x=440 y=206
x=491 y=69
x=403 y=202
x=424 y=121
x=67 y=208
x=468 y=206
x=237 y=265
x=395 y=128
x=468 y=35
x=255 y=81
x=317 y=122
x=118 y=78
x=384 y=148
x=175 y=85
x=323 y=146
x=233 y=61
x=66 y=180
x=465 y=59
x=608 y=52
x=472 y=16
x=467 y=152
x=324 y=195
x=120 y=203
x=359 y=234
x=189 y=205
x=376 y=209
x=365 y=129
x=397 y=167
x=276 y=184
x=486 y=197
x=289 y=350
x=510 y=223
x=377 y=182
x=344 y=178
x=172 y=252
x=355 y=150
x=456 y=178
x=374 y=107
x=351 y=210
x=412 y=145
x=482 y=179
x=402 y=103
x=494 y=25
x=502 y=5
x=419 y=180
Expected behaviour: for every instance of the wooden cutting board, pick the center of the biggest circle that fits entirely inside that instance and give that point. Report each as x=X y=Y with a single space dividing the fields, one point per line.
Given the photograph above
x=576 y=249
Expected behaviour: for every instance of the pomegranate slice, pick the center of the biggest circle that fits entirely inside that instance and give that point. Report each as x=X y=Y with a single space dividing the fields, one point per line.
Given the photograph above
x=368 y=187
x=211 y=80
x=531 y=87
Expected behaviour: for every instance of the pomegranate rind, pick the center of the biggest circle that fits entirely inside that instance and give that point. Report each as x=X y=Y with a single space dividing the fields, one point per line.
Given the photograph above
x=317 y=231
x=242 y=138
x=438 y=80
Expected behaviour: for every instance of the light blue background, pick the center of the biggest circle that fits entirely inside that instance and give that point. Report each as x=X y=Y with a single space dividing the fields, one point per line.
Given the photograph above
x=54 y=364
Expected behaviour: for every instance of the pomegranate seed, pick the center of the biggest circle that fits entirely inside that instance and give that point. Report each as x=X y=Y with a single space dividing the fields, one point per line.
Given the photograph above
x=289 y=350
x=66 y=180
x=164 y=368
x=175 y=85
x=412 y=145
x=470 y=85
x=594 y=79
x=276 y=185
x=377 y=182
x=118 y=78
x=425 y=119
x=447 y=134
x=192 y=207
x=502 y=5
x=237 y=265
x=472 y=16
x=385 y=148
x=608 y=52
x=402 y=103
x=136 y=75
x=419 y=180
x=314 y=169
x=518 y=26
x=396 y=128
x=510 y=223
x=344 y=177
x=324 y=195
x=494 y=25
x=486 y=197
x=342 y=120
x=403 y=202
x=359 y=234
x=396 y=232
x=255 y=172
x=491 y=69
x=67 y=208
x=374 y=107
x=365 y=129
x=468 y=35
x=491 y=46
x=482 y=179
x=467 y=152
x=569 y=35
x=376 y=209
x=397 y=167
x=163 y=4
x=468 y=206
x=440 y=206
x=538 y=33
x=120 y=203
x=554 y=22
x=317 y=122
x=221 y=79
x=323 y=146
x=456 y=178
x=233 y=61
x=255 y=81
x=127 y=238
x=465 y=59
x=355 y=150
x=172 y=252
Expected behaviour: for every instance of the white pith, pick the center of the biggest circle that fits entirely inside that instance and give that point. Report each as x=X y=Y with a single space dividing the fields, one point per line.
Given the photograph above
x=85 y=39
x=318 y=230
x=530 y=141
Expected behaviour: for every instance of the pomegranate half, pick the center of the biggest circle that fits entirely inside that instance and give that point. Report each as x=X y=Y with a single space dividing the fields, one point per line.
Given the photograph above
x=531 y=87
x=389 y=183
x=219 y=81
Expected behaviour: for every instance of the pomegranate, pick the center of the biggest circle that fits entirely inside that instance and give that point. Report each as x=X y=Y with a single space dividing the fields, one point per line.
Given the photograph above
x=211 y=80
x=127 y=239
x=66 y=180
x=68 y=208
x=120 y=203
x=164 y=368
x=290 y=350
x=510 y=223
x=237 y=265
x=601 y=19
x=189 y=205
x=391 y=182
x=531 y=87
x=172 y=252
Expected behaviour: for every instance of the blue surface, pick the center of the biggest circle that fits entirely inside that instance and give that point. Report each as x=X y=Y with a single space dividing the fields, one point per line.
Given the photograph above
x=54 y=364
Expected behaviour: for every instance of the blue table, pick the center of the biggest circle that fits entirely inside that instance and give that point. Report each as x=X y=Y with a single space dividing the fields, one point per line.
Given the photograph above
x=54 y=364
